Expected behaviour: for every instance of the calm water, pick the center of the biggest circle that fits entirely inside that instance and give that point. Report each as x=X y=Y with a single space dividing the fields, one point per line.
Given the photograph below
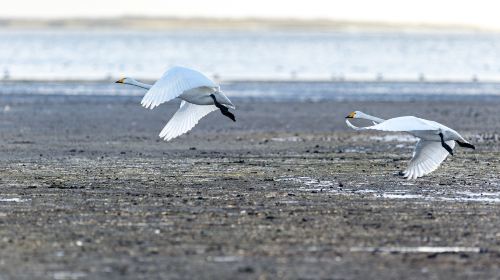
x=250 y=55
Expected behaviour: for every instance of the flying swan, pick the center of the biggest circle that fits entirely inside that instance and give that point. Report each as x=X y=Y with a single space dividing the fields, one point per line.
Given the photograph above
x=436 y=141
x=200 y=96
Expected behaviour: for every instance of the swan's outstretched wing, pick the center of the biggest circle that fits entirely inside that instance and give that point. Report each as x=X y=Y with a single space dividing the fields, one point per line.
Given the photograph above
x=185 y=119
x=173 y=83
x=400 y=124
x=427 y=157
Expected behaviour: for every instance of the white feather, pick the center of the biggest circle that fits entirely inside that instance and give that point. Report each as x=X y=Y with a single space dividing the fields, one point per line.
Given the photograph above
x=185 y=119
x=173 y=83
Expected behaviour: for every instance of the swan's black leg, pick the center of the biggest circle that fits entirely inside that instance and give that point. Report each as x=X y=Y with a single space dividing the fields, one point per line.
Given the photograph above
x=465 y=145
x=446 y=146
x=223 y=109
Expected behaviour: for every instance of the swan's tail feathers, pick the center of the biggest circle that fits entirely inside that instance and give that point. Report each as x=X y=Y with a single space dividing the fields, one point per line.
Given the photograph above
x=466 y=145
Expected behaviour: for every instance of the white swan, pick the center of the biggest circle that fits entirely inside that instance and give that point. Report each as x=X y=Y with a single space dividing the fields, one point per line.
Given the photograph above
x=199 y=95
x=436 y=141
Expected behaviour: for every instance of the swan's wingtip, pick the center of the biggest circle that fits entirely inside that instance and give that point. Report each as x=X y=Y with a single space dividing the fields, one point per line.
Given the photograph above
x=349 y=124
x=148 y=106
x=165 y=136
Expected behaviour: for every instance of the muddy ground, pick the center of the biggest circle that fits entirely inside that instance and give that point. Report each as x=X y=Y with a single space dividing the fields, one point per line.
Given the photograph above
x=88 y=191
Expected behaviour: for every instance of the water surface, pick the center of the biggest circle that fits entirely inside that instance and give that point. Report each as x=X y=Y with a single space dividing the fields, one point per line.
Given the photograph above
x=279 y=91
x=73 y=54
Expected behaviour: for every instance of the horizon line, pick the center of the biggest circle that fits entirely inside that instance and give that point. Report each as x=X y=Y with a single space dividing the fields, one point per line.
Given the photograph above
x=284 y=22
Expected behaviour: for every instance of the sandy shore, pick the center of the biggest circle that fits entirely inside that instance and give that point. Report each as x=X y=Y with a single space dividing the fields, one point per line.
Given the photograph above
x=88 y=191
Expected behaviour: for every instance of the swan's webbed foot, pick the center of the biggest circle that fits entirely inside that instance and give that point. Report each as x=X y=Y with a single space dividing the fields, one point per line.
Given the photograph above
x=466 y=145
x=223 y=109
x=446 y=146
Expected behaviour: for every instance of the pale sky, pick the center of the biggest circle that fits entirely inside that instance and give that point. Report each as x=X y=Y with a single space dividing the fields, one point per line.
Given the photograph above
x=484 y=13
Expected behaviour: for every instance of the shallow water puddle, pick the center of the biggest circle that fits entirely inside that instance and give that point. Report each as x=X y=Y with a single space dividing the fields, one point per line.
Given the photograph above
x=225 y=258
x=418 y=249
x=395 y=138
x=311 y=184
x=13 y=199
x=406 y=138
x=287 y=139
x=69 y=275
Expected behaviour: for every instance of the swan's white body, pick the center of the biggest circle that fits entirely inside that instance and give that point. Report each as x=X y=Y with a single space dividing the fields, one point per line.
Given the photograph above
x=192 y=87
x=429 y=152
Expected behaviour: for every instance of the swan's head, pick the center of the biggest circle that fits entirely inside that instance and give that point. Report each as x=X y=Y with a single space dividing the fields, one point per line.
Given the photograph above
x=355 y=115
x=124 y=80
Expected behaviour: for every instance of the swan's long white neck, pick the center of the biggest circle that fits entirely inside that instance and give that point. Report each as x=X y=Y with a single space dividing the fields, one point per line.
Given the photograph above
x=133 y=82
x=369 y=117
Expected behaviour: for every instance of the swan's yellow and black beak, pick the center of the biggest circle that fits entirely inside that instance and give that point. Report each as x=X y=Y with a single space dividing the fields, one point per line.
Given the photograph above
x=351 y=115
x=120 y=81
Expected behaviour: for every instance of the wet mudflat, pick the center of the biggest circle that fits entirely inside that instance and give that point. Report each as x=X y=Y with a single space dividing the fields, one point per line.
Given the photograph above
x=88 y=191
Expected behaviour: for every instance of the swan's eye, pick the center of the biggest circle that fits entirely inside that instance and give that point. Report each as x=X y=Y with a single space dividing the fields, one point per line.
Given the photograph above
x=351 y=115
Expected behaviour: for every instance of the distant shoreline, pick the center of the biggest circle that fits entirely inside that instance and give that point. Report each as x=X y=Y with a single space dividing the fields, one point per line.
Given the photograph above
x=257 y=24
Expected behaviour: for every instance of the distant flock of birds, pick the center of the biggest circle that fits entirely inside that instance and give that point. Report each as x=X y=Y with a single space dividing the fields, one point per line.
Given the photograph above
x=200 y=96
